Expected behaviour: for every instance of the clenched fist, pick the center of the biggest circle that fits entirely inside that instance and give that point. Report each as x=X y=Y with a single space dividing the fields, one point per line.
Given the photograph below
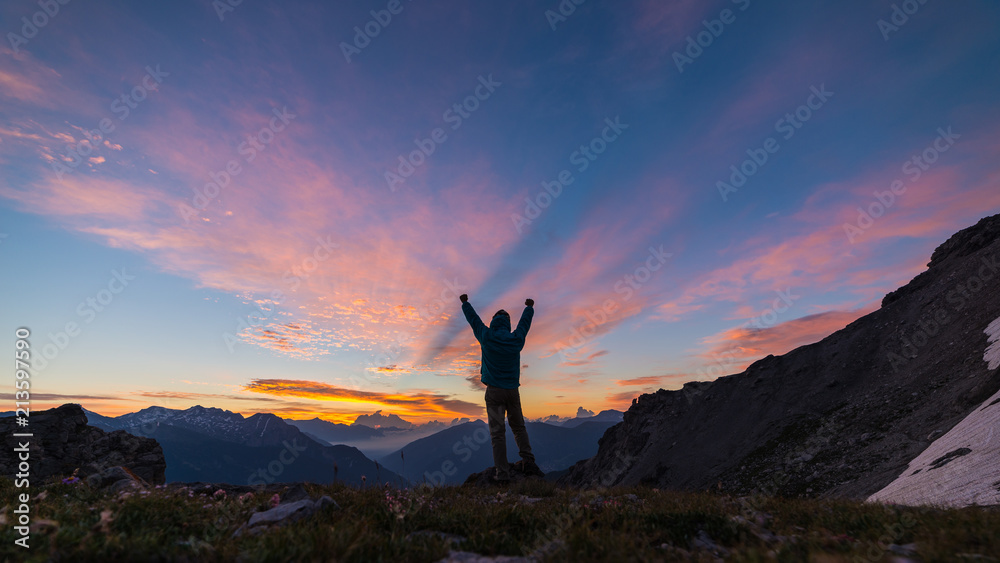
x=529 y=302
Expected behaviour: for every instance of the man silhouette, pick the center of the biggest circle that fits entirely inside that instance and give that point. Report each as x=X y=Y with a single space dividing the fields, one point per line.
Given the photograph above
x=501 y=373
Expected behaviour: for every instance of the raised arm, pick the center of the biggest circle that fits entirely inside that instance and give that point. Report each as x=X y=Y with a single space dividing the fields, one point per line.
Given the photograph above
x=478 y=328
x=525 y=323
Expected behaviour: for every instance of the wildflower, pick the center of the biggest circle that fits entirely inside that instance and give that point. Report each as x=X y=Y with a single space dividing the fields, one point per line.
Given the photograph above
x=219 y=494
x=104 y=525
x=275 y=500
x=245 y=497
x=71 y=480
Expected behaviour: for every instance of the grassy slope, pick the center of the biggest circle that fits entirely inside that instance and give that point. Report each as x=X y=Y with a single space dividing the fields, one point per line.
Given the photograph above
x=533 y=518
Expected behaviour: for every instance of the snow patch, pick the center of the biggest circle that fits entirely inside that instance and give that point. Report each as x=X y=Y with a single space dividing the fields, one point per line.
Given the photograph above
x=993 y=351
x=959 y=469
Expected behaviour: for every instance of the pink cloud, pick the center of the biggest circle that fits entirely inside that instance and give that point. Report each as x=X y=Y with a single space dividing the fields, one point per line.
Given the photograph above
x=737 y=348
x=814 y=251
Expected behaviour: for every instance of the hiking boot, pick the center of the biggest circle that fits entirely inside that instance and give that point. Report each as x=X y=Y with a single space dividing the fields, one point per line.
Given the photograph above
x=529 y=468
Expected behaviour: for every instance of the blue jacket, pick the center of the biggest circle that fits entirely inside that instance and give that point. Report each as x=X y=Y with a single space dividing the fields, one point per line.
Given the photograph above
x=501 y=347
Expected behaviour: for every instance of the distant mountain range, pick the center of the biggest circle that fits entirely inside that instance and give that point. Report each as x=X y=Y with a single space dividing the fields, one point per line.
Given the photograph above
x=609 y=415
x=215 y=445
x=379 y=420
x=393 y=432
x=374 y=442
x=451 y=455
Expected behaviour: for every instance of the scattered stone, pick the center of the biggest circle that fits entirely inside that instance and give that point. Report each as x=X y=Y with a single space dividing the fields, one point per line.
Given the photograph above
x=904 y=550
x=703 y=542
x=284 y=513
x=295 y=493
x=291 y=512
x=116 y=479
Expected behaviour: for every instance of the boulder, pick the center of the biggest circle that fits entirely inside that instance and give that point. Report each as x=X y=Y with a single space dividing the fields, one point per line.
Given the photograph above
x=115 y=479
x=284 y=513
x=62 y=443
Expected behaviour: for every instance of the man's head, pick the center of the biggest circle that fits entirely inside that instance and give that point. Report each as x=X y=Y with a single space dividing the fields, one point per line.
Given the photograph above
x=501 y=320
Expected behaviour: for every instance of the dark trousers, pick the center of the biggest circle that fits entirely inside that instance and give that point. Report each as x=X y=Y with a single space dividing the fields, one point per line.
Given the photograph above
x=498 y=403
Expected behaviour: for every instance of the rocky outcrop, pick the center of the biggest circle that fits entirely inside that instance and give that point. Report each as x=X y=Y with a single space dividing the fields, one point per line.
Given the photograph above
x=62 y=443
x=485 y=478
x=842 y=417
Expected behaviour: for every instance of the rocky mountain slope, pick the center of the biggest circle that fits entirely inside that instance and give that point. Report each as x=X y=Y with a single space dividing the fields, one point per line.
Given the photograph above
x=842 y=417
x=958 y=469
x=62 y=442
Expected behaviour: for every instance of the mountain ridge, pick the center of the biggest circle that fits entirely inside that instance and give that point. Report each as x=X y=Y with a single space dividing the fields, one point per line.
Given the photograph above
x=209 y=444
x=841 y=417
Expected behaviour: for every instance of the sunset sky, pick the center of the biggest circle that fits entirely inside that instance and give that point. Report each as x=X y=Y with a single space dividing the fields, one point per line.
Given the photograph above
x=322 y=277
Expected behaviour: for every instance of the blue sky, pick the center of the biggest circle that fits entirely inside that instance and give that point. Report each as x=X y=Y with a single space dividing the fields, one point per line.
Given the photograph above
x=356 y=278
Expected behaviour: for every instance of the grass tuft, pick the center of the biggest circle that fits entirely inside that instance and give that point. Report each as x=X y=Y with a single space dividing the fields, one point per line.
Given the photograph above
x=75 y=523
